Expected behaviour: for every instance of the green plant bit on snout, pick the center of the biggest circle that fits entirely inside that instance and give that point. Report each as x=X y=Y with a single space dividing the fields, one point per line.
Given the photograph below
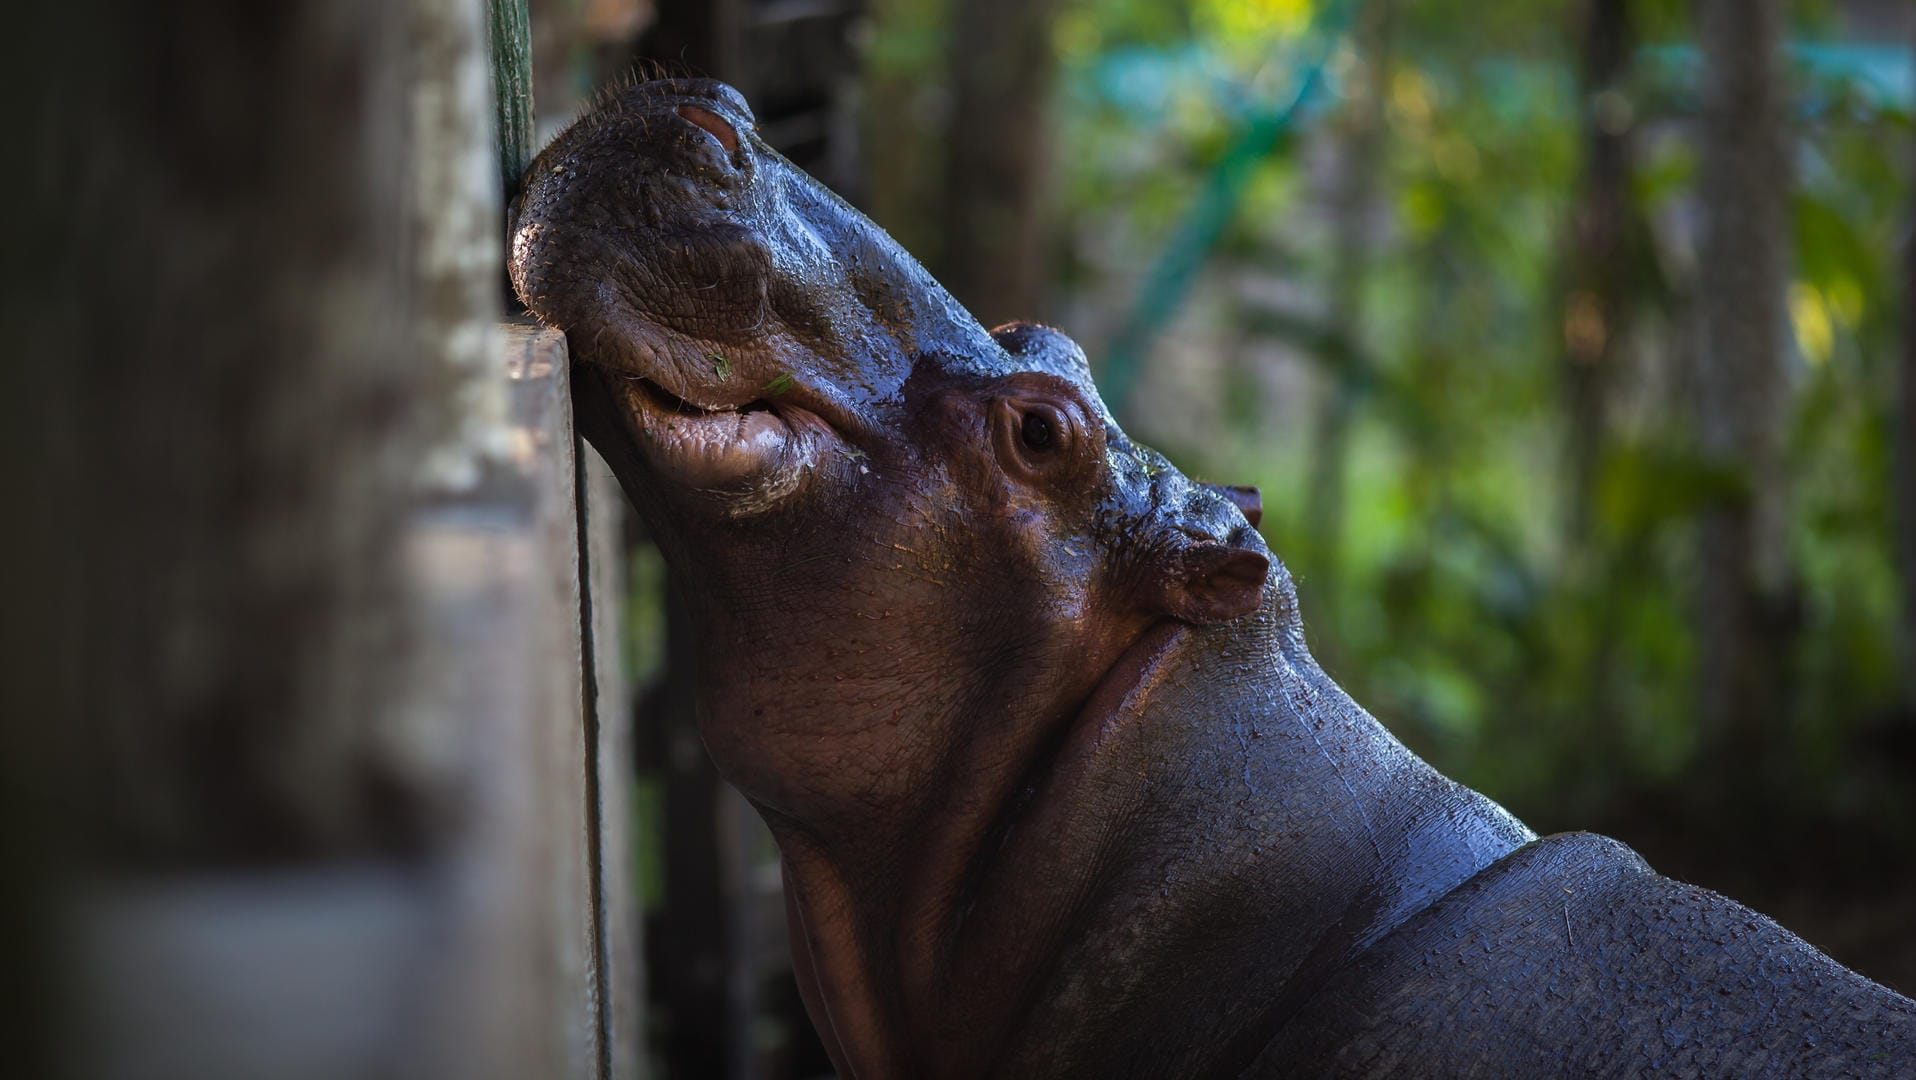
x=857 y=457
x=721 y=367
x=779 y=385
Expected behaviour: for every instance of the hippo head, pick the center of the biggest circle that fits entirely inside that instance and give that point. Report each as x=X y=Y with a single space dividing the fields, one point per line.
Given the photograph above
x=914 y=544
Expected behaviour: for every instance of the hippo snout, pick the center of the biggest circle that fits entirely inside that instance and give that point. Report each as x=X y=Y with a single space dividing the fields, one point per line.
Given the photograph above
x=741 y=315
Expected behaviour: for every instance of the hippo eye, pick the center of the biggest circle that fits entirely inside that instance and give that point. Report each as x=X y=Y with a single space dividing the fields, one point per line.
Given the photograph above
x=1037 y=432
x=1034 y=436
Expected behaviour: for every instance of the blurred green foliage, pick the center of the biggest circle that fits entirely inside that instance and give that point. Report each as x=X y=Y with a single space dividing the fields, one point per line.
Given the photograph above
x=1551 y=664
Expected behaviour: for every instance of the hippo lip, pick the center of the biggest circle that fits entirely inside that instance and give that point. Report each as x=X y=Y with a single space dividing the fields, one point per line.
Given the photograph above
x=757 y=452
x=663 y=400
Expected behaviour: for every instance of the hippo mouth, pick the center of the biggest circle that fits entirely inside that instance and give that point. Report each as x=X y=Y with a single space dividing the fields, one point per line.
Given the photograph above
x=752 y=455
x=737 y=327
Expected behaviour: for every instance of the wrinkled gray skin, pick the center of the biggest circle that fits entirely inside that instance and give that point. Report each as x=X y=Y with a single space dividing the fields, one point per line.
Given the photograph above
x=1058 y=789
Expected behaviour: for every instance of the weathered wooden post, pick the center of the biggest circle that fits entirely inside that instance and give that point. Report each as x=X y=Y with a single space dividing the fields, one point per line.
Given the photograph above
x=318 y=736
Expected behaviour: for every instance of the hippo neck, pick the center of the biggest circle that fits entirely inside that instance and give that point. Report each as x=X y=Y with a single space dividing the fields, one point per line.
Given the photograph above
x=1240 y=830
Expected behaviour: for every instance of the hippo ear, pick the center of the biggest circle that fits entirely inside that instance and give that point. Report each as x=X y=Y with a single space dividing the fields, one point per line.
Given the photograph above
x=1245 y=498
x=1208 y=582
x=1040 y=348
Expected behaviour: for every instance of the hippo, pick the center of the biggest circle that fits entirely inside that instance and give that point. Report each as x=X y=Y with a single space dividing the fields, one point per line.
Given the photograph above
x=1057 y=787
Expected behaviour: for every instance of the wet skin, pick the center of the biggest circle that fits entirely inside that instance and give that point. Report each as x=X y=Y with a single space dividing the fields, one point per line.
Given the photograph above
x=1057 y=787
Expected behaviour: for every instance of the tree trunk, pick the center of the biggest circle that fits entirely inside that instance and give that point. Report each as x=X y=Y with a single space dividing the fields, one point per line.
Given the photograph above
x=1904 y=492
x=999 y=141
x=690 y=952
x=1352 y=210
x=905 y=155
x=1601 y=260
x=46 y=66
x=696 y=38
x=1742 y=410
x=1597 y=265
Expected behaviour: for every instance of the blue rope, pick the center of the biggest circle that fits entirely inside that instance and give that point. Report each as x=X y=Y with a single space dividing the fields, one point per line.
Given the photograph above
x=1169 y=279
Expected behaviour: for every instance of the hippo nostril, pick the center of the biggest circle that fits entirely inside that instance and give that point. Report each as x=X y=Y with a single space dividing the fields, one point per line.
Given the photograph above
x=712 y=122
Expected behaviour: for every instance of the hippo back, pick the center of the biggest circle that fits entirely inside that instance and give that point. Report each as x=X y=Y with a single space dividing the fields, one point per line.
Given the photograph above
x=1571 y=957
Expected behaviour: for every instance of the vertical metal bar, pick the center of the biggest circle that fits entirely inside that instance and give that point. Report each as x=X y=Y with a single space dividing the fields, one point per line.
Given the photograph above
x=511 y=31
